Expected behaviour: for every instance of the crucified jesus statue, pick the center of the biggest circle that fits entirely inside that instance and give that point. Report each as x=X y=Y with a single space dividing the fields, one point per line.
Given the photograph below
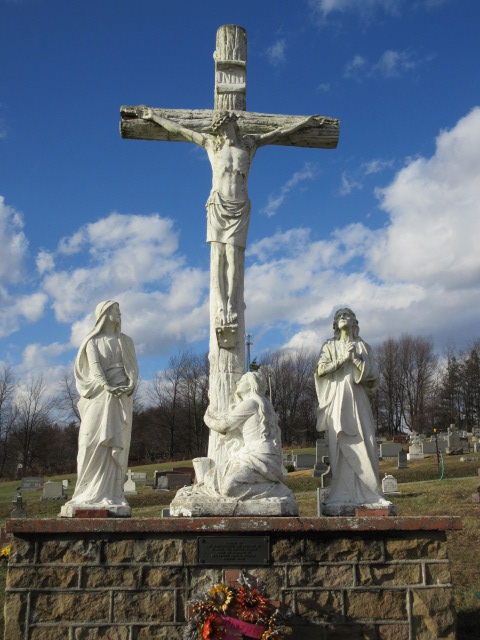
x=228 y=206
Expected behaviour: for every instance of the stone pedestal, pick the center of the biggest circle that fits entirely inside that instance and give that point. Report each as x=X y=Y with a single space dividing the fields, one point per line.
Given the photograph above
x=374 y=577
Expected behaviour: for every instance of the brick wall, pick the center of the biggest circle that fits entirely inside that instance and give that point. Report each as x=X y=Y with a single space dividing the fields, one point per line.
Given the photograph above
x=365 y=578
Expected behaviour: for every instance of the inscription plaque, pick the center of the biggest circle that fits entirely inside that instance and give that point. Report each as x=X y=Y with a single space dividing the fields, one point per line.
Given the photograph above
x=233 y=550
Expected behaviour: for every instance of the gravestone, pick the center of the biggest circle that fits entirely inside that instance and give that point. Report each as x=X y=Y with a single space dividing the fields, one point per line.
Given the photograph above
x=415 y=450
x=429 y=448
x=130 y=487
x=65 y=484
x=53 y=491
x=402 y=460
x=390 y=449
x=162 y=483
x=139 y=476
x=322 y=467
x=402 y=439
x=178 y=480
x=465 y=447
x=188 y=470
x=476 y=447
x=454 y=444
x=305 y=461
x=31 y=484
x=20 y=510
x=390 y=485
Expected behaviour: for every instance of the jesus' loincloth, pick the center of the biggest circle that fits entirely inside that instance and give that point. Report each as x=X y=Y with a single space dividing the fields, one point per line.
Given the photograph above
x=227 y=220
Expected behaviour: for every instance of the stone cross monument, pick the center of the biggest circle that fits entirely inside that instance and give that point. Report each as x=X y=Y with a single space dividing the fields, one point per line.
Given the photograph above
x=230 y=135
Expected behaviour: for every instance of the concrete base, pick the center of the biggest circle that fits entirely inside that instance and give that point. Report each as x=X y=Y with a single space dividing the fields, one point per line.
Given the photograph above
x=349 y=509
x=415 y=456
x=201 y=506
x=114 y=510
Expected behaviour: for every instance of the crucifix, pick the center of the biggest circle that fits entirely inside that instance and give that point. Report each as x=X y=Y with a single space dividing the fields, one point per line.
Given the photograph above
x=231 y=136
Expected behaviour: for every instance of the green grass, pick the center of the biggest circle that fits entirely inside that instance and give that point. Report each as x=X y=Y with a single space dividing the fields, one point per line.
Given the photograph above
x=422 y=493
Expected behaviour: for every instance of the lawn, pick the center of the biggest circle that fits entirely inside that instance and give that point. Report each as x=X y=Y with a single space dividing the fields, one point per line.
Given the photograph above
x=422 y=493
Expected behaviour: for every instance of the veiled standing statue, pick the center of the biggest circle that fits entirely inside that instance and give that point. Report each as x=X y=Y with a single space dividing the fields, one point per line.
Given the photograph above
x=106 y=374
x=345 y=378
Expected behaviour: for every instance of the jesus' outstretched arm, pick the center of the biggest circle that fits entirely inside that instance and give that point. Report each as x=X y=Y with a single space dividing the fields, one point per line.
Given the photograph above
x=268 y=138
x=173 y=127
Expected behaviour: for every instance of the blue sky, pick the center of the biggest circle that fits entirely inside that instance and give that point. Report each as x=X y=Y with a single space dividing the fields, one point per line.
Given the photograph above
x=387 y=223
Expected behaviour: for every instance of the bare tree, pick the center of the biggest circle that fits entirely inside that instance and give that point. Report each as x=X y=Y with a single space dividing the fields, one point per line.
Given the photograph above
x=34 y=408
x=291 y=379
x=390 y=405
x=8 y=414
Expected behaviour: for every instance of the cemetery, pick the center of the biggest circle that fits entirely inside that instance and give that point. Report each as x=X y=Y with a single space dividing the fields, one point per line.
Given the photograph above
x=365 y=538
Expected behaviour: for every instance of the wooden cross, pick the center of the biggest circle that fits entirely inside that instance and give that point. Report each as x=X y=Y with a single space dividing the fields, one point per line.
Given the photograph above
x=226 y=352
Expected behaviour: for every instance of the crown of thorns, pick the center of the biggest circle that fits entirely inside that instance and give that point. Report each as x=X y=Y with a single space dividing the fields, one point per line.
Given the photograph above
x=222 y=118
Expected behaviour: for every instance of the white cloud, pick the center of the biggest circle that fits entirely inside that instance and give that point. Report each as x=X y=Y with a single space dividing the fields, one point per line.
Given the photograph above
x=275 y=201
x=45 y=262
x=13 y=242
x=276 y=53
x=421 y=273
x=391 y=64
x=355 y=179
x=326 y=8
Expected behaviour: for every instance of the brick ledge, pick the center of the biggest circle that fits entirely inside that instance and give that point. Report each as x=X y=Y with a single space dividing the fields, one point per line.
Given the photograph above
x=26 y=526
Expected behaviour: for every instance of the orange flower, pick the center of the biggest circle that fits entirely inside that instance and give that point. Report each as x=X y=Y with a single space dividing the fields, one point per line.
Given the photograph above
x=250 y=605
x=213 y=628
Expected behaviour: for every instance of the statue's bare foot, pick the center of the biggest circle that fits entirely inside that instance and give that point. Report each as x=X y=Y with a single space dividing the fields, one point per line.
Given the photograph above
x=232 y=316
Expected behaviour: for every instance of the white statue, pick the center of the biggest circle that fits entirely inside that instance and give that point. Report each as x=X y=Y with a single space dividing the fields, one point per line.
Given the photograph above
x=228 y=206
x=106 y=374
x=345 y=377
x=250 y=480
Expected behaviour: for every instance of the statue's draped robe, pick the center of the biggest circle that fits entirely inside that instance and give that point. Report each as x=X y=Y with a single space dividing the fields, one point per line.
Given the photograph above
x=344 y=410
x=254 y=467
x=106 y=420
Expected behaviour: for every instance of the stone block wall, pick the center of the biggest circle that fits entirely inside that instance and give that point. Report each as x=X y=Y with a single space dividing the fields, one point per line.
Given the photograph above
x=341 y=578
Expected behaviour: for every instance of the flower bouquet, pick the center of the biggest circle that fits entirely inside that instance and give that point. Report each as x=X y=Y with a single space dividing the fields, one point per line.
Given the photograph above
x=233 y=613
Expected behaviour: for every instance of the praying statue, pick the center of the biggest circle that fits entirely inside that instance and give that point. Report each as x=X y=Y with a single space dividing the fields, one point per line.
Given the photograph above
x=345 y=378
x=228 y=206
x=106 y=374
x=249 y=481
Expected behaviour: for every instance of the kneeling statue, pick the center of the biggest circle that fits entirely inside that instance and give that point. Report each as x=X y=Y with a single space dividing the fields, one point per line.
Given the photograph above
x=249 y=482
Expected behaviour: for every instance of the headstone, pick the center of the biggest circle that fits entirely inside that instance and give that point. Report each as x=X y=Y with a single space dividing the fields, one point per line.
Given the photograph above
x=322 y=467
x=454 y=444
x=390 y=485
x=162 y=483
x=476 y=447
x=402 y=460
x=178 y=480
x=305 y=461
x=166 y=512
x=390 y=449
x=156 y=476
x=53 y=491
x=20 y=510
x=429 y=448
x=415 y=450
x=189 y=470
x=130 y=487
x=31 y=484
x=402 y=439
x=465 y=447
x=140 y=477
x=65 y=484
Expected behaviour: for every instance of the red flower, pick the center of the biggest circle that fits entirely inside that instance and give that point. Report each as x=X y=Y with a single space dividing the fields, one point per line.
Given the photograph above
x=213 y=628
x=250 y=605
